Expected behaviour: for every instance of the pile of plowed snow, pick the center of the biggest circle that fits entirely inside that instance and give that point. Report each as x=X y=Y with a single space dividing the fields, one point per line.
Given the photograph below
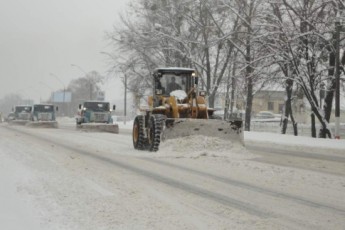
x=65 y=119
x=202 y=146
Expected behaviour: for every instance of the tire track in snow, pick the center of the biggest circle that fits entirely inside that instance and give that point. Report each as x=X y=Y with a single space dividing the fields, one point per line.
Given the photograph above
x=219 y=198
x=296 y=199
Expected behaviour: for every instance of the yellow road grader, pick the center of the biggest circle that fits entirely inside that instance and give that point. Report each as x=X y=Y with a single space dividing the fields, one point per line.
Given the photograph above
x=178 y=108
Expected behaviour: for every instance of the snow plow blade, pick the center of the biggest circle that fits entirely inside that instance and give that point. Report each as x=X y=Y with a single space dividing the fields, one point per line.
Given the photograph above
x=228 y=130
x=95 y=127
x=18 y=122
x=42 y=124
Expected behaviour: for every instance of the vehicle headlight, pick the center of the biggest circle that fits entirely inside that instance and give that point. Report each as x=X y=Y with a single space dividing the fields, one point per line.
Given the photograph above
x=202 y=93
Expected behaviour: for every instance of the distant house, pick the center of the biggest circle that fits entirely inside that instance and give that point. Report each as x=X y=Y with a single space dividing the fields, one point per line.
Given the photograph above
x=266 y=100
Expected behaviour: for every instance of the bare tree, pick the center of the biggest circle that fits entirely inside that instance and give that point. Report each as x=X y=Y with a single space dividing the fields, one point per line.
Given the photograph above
x=256 y=71
x=177 y=33
x=85 y=88
x=301 y=38
x=9 y=101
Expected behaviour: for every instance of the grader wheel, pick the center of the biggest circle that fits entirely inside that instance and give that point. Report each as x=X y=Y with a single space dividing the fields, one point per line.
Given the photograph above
x=139 y=140
x=155 y=129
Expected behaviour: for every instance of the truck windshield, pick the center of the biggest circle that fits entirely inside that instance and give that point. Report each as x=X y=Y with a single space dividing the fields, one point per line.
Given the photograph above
x=43 y=108
x=96 y=106
x=20 y=109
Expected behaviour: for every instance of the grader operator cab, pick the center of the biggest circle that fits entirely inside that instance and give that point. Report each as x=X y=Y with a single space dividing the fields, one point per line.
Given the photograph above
x=178 y=109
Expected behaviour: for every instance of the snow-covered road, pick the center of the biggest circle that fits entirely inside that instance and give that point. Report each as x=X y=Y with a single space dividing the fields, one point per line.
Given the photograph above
x=67 y=179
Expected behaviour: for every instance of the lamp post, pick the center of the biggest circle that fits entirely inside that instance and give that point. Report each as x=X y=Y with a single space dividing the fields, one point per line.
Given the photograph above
x=64 y=88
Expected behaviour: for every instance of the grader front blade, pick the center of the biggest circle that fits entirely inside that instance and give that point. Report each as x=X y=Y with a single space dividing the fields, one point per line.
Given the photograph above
x=228 y=130
x=42 y=124
x=99 y=127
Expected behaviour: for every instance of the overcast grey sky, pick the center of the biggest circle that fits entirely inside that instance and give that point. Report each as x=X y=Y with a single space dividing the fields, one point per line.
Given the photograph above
x=39 y=37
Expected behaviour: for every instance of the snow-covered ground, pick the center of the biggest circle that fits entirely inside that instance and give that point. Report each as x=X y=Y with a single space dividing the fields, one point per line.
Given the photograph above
x=67 y=179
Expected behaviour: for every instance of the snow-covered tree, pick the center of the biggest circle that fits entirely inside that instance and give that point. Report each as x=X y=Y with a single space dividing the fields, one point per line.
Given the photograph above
x=176 y=33
x=301 y=38
x=240 y=45
x=85 y=88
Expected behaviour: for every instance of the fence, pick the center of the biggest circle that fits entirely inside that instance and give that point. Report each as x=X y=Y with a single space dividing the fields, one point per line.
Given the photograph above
x=303 y=129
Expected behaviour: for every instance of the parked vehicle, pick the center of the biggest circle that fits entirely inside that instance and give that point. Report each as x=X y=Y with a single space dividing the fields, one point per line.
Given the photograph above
x=264 y=115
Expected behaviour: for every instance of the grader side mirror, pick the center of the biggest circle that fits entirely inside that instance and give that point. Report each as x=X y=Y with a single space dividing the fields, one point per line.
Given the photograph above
x=79 y=106
x=57 y=108
x=114 y=107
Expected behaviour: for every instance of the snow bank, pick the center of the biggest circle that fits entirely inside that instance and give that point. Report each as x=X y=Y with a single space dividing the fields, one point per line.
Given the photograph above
x=300 y=143
x=202 y=146
x=127 y=126
x=196 y=146
x=65 y=119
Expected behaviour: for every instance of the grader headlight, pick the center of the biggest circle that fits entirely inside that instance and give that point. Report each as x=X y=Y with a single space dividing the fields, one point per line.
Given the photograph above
x=202 y=93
